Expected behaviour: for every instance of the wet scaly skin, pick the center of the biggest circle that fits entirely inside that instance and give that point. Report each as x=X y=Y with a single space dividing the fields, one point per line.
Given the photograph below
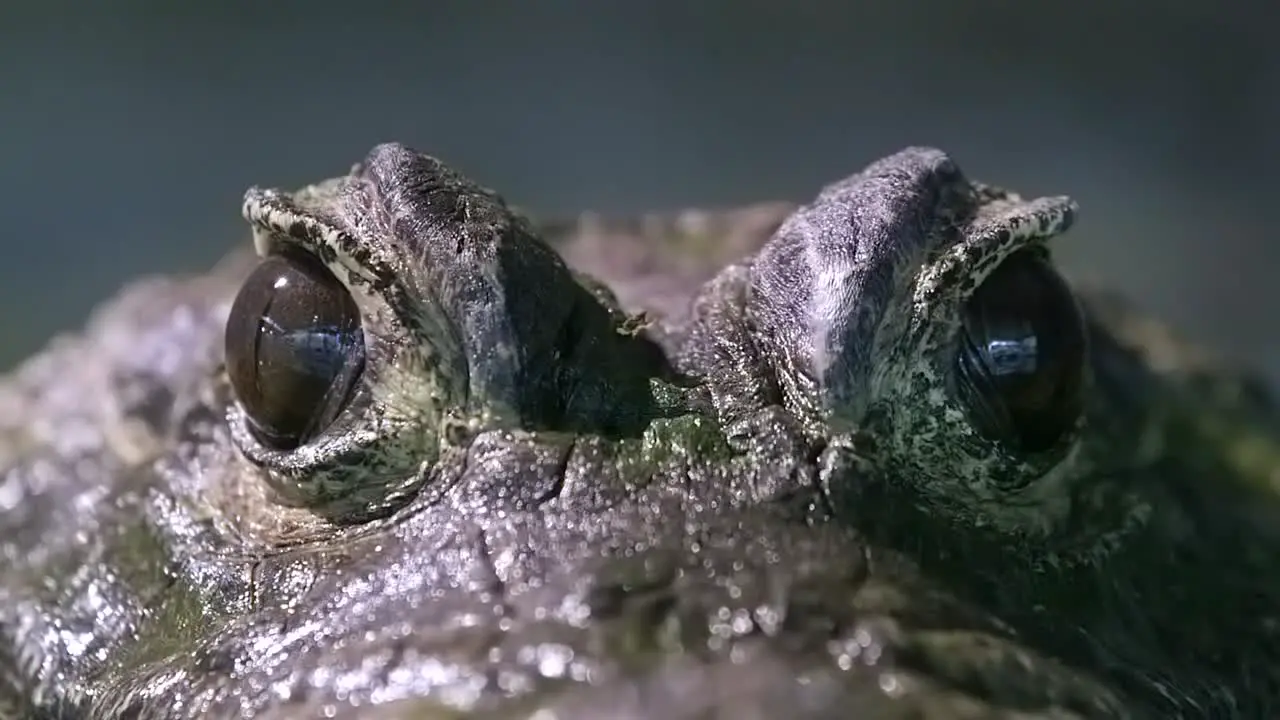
x=766 y=497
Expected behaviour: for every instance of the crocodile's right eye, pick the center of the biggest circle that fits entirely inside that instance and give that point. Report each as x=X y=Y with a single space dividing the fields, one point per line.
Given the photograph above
x=294 y=348
x=1021 y=365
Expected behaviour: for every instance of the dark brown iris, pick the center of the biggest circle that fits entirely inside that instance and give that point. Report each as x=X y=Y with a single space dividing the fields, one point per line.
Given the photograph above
x=1021 y=360
x=294 y=348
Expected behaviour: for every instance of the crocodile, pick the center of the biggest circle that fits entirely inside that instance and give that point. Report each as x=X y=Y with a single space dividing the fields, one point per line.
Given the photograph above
x=419 y=453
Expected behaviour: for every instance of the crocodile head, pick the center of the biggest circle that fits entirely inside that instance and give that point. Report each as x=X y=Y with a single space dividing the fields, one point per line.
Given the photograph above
x=406 y=461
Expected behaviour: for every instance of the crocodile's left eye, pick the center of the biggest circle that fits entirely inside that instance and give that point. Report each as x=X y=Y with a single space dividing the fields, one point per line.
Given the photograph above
x=294 y=348
x=1020 y=366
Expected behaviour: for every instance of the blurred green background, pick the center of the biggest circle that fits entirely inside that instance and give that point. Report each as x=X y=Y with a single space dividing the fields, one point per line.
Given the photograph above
x=130 y=129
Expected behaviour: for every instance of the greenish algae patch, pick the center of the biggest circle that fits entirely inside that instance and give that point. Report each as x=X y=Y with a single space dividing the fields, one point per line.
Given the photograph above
x=691 y=436
x=174 y=615
x=1231 y=432
x=139 y=560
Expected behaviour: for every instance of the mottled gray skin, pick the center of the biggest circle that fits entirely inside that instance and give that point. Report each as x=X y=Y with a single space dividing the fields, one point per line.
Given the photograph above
x=538 y=504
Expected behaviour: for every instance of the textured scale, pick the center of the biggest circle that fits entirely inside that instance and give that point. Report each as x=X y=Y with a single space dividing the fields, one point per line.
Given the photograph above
x=732 y=555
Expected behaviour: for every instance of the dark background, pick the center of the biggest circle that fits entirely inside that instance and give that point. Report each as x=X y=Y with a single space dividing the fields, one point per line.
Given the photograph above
x=129 y=130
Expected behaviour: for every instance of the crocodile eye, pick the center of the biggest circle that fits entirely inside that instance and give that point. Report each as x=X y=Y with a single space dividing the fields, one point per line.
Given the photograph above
x=1021 y=360
x=294 y=348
